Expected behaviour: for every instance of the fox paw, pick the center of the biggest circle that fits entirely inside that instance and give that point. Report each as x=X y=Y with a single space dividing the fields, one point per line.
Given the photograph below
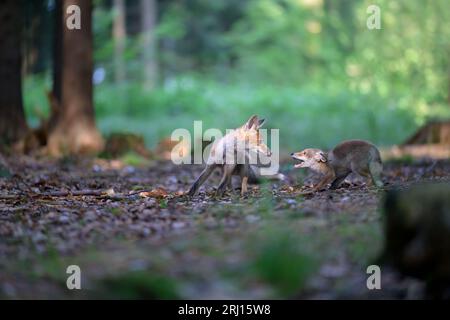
x=244 y=194
x=219 y=194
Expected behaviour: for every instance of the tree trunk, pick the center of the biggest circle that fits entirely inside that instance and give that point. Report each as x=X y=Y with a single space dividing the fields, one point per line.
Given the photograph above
x=448 y=92
x=13 y=125
x=75 y=131
x=57 y=50
x=55 y=96
x=119 y=35
x=149 y=44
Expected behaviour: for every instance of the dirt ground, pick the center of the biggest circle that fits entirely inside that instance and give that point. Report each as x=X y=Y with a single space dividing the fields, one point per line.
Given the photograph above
x=135 y=235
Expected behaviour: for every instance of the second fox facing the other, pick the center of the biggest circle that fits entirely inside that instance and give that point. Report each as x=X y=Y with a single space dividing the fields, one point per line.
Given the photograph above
x=240 y=143
x=356 y=156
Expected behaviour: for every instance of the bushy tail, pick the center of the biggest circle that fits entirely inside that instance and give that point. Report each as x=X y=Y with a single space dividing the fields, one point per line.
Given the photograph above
x=256 y=177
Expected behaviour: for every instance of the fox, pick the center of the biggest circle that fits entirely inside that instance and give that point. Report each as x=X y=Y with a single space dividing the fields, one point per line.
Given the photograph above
x=229 y=148
x=358 y=156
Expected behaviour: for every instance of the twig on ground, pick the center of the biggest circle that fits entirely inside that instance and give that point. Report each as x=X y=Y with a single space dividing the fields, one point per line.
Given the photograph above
x=96 y=193
x=73 y=193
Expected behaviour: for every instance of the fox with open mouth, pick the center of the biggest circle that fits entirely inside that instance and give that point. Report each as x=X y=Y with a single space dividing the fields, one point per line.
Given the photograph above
x=356 y=156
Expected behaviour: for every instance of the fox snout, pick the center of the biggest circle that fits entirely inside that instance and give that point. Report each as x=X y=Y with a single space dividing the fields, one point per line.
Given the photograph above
x=299 y=157
x=309 y=158
x=262 y=148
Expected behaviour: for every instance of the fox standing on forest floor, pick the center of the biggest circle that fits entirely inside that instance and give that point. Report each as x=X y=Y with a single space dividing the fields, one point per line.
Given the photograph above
x=240 y=143
x=356 y=156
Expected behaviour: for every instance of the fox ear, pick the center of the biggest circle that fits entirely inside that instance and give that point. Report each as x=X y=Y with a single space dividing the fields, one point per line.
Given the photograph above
x=320 y=157
x=251 y=122
x=261 y=122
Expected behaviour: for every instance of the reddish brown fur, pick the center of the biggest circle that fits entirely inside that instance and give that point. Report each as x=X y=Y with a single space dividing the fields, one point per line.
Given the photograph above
x=349 y=156
x=248 y=134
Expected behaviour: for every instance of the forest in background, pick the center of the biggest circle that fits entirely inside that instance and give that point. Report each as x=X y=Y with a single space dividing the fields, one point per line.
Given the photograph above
x=311 y=68
x=160 y=65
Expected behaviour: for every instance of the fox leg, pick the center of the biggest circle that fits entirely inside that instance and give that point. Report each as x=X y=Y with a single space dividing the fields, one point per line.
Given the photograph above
x=244 y=185
x=227 y=173
x=326 y=180
x=236 y=171
x=375 y=169
x=245 y=170
x=366 y=174
x=340 y=176
x=230 y=184
x=201 y=179
x=372 y=173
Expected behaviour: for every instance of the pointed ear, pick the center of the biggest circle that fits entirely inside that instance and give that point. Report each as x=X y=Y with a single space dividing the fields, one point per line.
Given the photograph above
x=251 y=122
x=320 y=157
x=261 y=122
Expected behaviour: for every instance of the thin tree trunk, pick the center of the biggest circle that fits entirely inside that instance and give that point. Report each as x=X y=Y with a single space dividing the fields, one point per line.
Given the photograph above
x=149 y=9
x=13 y=125
x=75 y=131
x=55 y=96
x=119 y=35
x=57 y=50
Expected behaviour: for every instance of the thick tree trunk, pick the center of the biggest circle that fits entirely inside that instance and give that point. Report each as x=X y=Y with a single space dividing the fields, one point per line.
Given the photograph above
x=13 y=125
x=448 y=92
x=75 y=131
x=119 y=35
x=149 y=44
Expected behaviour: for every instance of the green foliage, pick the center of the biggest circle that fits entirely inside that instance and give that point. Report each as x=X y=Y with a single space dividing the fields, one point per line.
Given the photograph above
x=280 y=262
x=321 y=42
x=115 y=211
x=35 y=99
x=140 y=285
x=163 y=204
x=311 y=67
x=305 y=117
x=133 y=159
x=359 y=241
x=51 y=265
x=410 y=54
x=4 y=172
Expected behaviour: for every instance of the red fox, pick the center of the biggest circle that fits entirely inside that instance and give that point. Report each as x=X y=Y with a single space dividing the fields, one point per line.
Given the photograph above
x=237 y=144
x=349 y=156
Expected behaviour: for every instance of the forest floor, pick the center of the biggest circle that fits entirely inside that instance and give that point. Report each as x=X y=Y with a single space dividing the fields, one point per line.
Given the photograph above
x=134 y=234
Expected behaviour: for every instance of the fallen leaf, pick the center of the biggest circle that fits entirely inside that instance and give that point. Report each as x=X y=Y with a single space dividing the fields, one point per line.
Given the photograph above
x=155 y=193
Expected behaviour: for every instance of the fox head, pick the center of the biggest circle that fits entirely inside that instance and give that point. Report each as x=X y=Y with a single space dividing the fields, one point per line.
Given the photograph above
x=249 y=133
x=309 y=158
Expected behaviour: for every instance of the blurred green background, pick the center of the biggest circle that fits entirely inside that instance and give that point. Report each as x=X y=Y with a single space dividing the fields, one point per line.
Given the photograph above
x=312 y=68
